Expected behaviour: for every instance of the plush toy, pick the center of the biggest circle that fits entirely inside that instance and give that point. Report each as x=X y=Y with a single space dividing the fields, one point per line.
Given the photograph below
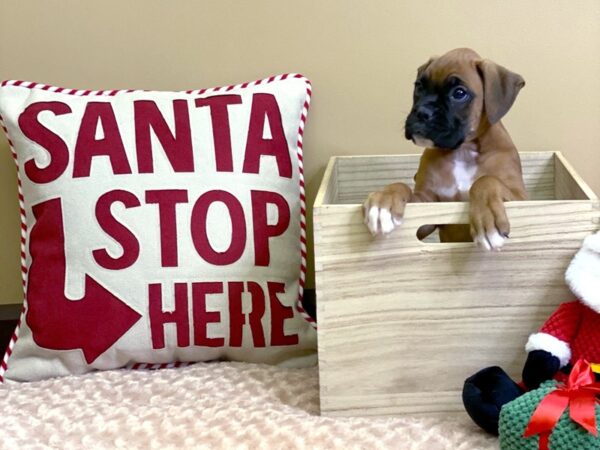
x=570 y=334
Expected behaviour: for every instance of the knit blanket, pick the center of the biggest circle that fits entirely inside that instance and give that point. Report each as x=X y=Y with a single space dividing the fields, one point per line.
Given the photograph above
x=207 y=406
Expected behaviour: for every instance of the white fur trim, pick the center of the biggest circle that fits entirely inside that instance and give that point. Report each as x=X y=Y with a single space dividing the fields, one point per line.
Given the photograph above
x=583 y=274
x=549 y=343
x=592 y=242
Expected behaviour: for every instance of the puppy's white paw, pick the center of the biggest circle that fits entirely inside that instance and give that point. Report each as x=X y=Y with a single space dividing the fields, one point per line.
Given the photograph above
x=385 y=220
x=373 y=220
x=380 y=220
x=383 y=210
x=490 y=241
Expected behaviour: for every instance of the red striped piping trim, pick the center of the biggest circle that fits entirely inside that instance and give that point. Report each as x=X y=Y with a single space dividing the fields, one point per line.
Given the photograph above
x=15 y=335
x=150 y=366
x=81 y=92
x=110 y=93
x=299 y=145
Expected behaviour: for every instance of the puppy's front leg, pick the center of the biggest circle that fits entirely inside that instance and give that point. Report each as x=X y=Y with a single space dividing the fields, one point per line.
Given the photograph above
x=489 y=223
x=384 y=210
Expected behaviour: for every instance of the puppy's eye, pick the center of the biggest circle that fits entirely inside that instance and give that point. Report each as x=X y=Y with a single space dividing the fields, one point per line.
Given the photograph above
x=459 y=94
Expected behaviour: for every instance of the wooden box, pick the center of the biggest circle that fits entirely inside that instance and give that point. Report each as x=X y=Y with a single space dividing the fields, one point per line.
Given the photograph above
x=402 y=323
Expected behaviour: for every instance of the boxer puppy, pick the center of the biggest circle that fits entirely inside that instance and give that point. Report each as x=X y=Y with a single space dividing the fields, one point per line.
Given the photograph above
x=459 y=99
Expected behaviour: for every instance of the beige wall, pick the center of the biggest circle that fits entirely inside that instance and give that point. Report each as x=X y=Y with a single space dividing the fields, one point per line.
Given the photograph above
x=361 y=57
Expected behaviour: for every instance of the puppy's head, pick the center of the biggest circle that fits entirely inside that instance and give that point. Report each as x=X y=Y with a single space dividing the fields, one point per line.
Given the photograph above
x=457 y=96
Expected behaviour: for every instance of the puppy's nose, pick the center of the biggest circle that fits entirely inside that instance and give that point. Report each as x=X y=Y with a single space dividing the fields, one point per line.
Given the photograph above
x=424 y=113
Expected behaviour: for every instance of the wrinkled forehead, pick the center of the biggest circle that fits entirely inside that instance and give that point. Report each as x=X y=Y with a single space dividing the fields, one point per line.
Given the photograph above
x=449 y=68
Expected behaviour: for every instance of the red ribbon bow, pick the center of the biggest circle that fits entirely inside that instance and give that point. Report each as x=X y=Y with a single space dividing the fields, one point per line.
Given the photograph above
x=578 y=394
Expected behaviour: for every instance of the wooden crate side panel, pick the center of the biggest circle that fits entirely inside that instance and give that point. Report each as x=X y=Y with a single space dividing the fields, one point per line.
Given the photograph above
x=568 y=184
x=417 y=361
x=402 y=322
x=340 y=233
x=360 y=175
x=328 y=189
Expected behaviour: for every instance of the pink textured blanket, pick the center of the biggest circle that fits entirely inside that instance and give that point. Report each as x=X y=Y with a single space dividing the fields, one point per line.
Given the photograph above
x=216 y=405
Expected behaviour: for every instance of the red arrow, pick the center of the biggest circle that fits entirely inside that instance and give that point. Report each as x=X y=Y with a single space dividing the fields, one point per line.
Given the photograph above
x=93 y=323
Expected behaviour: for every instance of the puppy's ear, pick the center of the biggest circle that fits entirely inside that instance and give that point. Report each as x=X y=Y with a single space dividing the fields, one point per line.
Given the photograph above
x=422 y=68
x=500 y=88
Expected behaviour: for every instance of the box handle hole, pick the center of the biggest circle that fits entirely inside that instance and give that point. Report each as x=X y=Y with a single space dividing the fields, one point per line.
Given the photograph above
x=451 y=232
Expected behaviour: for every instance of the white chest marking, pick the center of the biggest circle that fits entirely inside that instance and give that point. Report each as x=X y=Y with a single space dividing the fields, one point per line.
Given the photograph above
x=463 y=172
